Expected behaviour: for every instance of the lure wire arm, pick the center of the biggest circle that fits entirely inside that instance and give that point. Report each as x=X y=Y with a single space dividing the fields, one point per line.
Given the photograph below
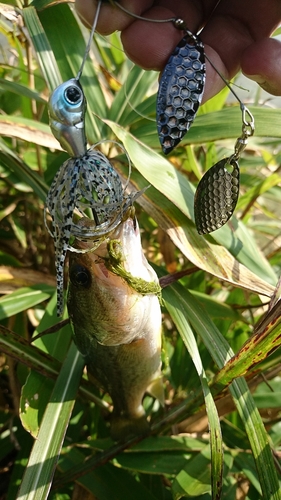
x=141 y=18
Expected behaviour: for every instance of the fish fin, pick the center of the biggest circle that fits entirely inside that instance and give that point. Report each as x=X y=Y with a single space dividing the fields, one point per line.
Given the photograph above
x=124 y=427
x=156 y=389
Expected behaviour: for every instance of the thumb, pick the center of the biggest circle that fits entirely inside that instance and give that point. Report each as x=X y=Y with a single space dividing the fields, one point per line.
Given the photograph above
x=261 y=62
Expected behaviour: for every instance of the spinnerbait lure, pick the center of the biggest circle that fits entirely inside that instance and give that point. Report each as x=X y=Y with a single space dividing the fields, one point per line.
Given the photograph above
x=86 y=181
x=179 y=95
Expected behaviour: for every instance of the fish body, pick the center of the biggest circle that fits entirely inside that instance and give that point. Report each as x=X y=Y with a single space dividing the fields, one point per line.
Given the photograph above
x=116 y=327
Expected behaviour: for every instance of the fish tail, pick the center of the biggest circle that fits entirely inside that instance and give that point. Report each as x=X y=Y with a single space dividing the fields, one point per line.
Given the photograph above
x=123 y=427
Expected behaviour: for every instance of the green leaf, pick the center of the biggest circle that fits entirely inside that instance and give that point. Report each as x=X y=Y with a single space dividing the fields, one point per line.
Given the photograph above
x=226 y=124
x=153 y=463
x=12 y=162
x=20 y=349
x=23 y=299
x=195 y=479
x=265 y=340
x=177 y=312
x=215 y=308
x=169 y=443
x=183 y=444
x=46 y=449
x=221 y=352
x=107 y=481
x=21 y=90
x=47 y=61
x=268 y=400
x=123 y=109
x=37 y=390
x=254 y=192
x=202 y=251
x=220 y=125
x=35 y=395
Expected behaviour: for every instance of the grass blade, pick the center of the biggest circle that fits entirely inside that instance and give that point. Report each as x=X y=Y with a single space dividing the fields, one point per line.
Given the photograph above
x=202 y=251
x=23 y=299
x=38 y=475
x=177 y=312
x=221 y=352
x=46 y=59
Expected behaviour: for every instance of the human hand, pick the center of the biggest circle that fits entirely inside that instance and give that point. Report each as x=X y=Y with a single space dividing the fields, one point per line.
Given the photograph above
x=235 y=34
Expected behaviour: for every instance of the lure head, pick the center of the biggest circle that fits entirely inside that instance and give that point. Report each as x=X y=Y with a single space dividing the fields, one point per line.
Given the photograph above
x=67 y=107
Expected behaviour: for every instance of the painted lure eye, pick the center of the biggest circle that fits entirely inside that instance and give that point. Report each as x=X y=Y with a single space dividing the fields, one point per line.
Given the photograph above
x=73 y=94
x=80 y=276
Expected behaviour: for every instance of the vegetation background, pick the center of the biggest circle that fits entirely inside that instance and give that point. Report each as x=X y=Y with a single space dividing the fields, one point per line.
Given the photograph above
x=215 y=345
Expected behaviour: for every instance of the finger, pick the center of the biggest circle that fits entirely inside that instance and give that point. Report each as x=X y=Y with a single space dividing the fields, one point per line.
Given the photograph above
x=233 y=29
x=235 y=25
x=261 y=63
x=111 y=18
x=150 y=45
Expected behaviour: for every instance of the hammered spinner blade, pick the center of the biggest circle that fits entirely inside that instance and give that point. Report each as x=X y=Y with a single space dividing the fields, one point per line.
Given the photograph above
x=180 y=92
x=216 y=196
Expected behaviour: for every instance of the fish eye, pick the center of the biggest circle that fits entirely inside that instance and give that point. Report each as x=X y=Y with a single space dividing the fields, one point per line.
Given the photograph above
x=73 y=94
x=80 y=276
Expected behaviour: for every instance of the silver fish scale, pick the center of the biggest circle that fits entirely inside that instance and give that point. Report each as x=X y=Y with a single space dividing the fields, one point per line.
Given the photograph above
x=216 y=196
x=88 y=182
x=180 y=92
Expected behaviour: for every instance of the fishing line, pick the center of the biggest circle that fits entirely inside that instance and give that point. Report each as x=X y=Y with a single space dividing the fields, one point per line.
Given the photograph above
x=111 y=44
x=93 y=29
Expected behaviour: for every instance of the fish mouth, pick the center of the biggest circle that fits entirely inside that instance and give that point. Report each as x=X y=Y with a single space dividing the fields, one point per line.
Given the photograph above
x=93 y=254
x=126 y=230
x=87 y=239
x=119 y=255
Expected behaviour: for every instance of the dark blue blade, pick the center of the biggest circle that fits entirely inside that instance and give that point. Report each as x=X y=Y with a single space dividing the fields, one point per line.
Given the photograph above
x=180 y=92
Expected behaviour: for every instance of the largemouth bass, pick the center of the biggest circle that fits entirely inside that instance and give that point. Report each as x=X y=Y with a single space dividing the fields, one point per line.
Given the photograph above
x=115 y=312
